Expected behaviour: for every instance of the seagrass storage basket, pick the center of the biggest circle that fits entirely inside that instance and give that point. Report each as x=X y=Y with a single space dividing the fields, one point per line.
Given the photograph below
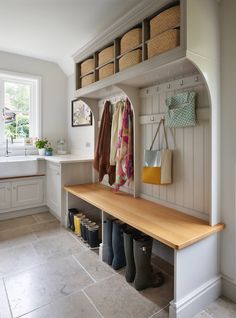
x=163 y=42
x=87 y=66
x=106 y=71
x=130 y=40
x=130 y=59
x=164 y=21
x=106 y=55
x=88 y=79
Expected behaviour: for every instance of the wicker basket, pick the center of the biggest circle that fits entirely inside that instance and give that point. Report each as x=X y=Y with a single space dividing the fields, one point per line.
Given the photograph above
x=106 y=71
x=106 y=55
x=87 y=66
x=130 y=59
x=88 y=79
x=131 y=40
x=164 y=21
x=163 y=42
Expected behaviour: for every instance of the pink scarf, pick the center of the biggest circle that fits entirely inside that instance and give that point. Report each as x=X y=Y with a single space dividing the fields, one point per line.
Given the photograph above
x=124 y=157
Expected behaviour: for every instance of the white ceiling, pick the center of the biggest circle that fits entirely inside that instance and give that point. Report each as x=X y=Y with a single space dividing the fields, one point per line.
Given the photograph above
x=54 y=29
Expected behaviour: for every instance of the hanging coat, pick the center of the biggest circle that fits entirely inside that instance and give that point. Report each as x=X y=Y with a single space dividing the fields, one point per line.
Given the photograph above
x=115 y=128
x=101 y=161
x=124 y=157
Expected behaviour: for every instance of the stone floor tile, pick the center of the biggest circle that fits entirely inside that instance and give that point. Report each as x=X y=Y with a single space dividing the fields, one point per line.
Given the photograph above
x=114 y=298
x=43 y=284
x=44 y=230
x=17 y=222
x=203 y=314
x=58 y=246
x=73 y=306
x=44 y=217
x=164 y=313
x=95 y=267
x=15 y=237
x=222 y=307
x=4 y=306
x=16 y=259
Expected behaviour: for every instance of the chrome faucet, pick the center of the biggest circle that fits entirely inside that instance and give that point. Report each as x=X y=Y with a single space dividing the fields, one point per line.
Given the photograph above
x=7 y=151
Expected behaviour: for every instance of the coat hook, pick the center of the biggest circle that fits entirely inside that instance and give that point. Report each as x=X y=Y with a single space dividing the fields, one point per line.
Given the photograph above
x=152 y=118
x=181 y=82
x=147 y=91
x=196 y=78
x=168 y=86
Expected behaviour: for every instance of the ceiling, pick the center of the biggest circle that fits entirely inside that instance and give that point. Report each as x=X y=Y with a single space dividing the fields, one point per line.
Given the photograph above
x=54 y=29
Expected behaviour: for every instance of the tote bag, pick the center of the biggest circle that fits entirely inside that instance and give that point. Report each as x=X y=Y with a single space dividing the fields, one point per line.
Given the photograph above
x=157 y=163
x=181 y=110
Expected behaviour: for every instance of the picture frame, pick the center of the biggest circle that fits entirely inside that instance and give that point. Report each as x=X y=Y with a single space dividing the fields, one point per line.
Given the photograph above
x=81 y=114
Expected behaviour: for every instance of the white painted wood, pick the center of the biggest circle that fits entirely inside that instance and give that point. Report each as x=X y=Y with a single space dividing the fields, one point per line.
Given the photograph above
x=197 y=277
x=53 y=198
x=26 y=193
x=5 y=196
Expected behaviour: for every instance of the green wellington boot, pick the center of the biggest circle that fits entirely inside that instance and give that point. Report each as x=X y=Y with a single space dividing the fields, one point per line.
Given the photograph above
x=129 y=235
x=145 y=277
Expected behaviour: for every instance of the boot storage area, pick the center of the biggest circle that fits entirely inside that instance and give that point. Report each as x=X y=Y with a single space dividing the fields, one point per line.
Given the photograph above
x=154 y=63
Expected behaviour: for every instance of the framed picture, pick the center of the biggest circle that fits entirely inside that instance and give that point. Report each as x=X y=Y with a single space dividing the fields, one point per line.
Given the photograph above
x=81 y=114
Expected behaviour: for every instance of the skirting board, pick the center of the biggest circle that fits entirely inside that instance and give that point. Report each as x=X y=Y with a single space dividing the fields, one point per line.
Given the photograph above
x=196 y=301
x=23 y=212
x=229 y=288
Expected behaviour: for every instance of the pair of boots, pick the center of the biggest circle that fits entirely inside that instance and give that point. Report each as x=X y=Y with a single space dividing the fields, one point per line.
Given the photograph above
x=113 y=231
x=138 y=251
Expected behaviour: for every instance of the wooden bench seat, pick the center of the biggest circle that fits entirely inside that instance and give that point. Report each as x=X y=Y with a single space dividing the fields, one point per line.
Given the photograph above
x=171 y=227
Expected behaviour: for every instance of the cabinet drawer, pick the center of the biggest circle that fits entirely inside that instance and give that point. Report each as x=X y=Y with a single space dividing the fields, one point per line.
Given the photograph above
x=27 y=192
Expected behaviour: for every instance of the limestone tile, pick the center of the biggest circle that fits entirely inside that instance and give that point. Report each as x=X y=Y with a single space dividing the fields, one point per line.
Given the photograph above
x=95 y=267
x=222 y=307
x=17 y=222
x=44 y=230
x=44 y=217
x=73 y=306
x=57 y=246
x=16 y=259
x=45 y=283
x=203 y=314
x=15 y=237
x=4 y=307
x=115 y=298
x=164 y=313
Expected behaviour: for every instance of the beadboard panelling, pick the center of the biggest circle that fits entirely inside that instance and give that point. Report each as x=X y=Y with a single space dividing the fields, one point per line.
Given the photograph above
x=191 y=146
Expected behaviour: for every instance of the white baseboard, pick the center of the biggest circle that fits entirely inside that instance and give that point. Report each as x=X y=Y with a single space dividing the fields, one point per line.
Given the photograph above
x=24 y=212
x=229 y=288
x=196 y=301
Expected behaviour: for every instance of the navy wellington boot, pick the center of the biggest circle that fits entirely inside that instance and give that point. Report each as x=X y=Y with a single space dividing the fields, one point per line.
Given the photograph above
x=118 y=245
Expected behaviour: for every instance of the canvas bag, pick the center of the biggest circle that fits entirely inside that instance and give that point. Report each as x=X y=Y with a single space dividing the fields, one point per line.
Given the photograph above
x=181 y=110
x=157 y=163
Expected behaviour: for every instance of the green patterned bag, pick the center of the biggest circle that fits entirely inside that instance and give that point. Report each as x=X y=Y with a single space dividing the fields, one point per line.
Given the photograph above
x=181 y=110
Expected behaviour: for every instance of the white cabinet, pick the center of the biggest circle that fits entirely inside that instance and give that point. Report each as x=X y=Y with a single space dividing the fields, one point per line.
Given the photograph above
x=5 y=195
x=27 y=193
x=54 y=188
x=18 y=194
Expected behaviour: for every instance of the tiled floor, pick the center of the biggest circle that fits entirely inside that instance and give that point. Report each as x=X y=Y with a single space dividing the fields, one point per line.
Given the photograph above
x=45 y=271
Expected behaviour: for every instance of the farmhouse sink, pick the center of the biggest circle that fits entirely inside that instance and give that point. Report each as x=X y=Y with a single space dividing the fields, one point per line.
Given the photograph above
x=16 y=166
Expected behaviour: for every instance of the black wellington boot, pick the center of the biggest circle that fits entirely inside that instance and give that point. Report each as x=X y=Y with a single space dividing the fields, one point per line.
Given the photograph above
x=108 y=224
x=71 y=213
x=145 y=277
x=118 y=245
x=130 y=270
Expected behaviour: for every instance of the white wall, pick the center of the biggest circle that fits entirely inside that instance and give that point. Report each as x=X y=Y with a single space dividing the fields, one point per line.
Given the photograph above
x=228 y=116
x=54 y=90
x=80 y=139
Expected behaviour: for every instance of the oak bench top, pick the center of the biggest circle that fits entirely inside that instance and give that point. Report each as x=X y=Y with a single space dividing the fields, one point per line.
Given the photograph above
x=169 y=226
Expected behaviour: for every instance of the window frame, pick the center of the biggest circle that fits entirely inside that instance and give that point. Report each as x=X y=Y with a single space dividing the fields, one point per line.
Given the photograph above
x=35 y=111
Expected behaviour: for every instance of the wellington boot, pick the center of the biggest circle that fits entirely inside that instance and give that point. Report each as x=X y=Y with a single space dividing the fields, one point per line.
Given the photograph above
x=129 y=235
x=145 y=277
x=118 y=245
x=108 y=224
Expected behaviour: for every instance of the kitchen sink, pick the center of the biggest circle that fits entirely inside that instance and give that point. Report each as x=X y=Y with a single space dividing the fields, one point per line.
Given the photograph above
x=16 y=166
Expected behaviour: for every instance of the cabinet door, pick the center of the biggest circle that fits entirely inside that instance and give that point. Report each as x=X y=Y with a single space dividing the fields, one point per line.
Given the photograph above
x=28 y=193
x=54 y=188
x=5 y=196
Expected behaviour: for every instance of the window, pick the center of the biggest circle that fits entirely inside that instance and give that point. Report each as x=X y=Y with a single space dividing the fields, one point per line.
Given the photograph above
x=19 y=107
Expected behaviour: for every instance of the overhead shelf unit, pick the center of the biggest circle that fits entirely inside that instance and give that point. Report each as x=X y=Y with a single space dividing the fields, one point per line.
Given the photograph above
x=197 y=53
